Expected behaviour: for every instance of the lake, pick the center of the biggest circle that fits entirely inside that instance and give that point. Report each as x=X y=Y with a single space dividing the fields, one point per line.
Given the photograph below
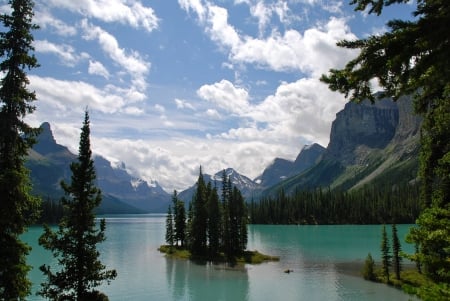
x=323 y=260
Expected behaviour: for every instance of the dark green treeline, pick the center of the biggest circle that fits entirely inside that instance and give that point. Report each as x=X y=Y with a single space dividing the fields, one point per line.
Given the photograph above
x=369 y=205
x=214 y=225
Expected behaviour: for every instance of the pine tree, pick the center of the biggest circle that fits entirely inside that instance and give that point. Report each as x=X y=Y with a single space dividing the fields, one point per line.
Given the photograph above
x=170 y=236
x=18 y=208
x=227 y=244
x=396 y=250
x=179 y=220
x=200 y=218
x=214 y=222
x=74 y=244
x=385 y=254
x=412 y=58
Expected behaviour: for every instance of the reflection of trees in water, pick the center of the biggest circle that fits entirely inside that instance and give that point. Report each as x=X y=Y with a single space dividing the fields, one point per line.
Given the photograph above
x=189 y=280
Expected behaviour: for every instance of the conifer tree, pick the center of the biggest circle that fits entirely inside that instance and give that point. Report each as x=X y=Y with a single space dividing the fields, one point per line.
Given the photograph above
x=18 y=208
x=170 y=237
x=385 y=253
x=214 y=222
x=75 y=243
x=412 y=58
x=200 y=218
x=179 y=220
x=396 y=250
x=227 y=244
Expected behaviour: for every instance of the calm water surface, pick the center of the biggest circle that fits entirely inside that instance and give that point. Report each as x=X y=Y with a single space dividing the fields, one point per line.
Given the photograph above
x=320 y=257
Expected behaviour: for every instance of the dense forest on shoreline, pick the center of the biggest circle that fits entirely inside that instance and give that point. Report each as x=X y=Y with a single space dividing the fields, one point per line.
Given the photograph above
x=368 y=205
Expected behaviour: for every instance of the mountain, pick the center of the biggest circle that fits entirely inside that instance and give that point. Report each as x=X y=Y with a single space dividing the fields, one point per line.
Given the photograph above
x=49 y=163
x=281 y=169
x=247 y=186
x=369 y=143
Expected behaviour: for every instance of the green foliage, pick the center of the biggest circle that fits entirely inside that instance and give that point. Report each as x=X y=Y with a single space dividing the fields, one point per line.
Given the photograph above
x=385 y=254
x=200 y=218
x=412 y=57
x=74 y=244
x=368 y=271
x=368 y=205
x=18 y=208
x=396 y=252
x=170 y=235
x=179 y=220
x=214 y=227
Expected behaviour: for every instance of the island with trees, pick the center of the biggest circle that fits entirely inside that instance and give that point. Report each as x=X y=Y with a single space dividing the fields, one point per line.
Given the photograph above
x=212 y=230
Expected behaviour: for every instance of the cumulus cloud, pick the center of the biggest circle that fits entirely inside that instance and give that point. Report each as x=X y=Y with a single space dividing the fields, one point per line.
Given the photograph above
x=226 y=96
x=63 y=96
x=313 y=51
x=133 y=63
x=132 y=13
x=302 y=110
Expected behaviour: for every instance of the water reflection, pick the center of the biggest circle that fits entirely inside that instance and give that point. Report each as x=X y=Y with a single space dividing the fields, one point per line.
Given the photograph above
x=188 y=280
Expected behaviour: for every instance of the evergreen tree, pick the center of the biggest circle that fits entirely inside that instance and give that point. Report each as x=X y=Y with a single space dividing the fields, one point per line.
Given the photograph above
x=396 y=250
x=179 y=220
x=413 y=58
x=74 y=244
x=214 y=222
x=170 y=236
x=18 y=209
x=385 y=254
x=200 y=218
x=369 y=268
x=227 y=244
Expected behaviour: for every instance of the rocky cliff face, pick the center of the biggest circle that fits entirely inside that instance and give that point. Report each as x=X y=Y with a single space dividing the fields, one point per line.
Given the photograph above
x=359 y=127
x=369 y=143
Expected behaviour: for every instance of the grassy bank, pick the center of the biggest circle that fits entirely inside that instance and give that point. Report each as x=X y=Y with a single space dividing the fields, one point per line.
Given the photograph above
x=250 y=257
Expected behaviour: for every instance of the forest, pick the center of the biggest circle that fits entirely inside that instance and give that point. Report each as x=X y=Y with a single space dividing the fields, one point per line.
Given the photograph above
x=211 y=226
x=368 y=205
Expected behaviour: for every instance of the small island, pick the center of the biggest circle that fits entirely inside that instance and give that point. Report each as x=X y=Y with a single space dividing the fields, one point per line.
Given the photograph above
x=249 y=257
x=214 y=230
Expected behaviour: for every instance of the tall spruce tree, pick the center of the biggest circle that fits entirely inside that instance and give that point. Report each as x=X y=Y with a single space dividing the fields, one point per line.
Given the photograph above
x=200 y=218
x=179 y=220
x=75 y=242
x=396 y=252
x=18 y=208
x=170 y=233
x=385 y=254
x=412 y=57
x=214 y=222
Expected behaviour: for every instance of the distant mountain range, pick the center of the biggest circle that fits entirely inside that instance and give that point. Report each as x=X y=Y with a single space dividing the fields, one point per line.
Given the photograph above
x=49 y=163
x=374 y=144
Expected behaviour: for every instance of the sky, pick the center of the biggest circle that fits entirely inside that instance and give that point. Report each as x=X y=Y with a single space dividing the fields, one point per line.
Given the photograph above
x=174 y=85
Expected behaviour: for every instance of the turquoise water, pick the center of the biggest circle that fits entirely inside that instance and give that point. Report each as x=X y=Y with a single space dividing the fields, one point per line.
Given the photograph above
x=320 y=257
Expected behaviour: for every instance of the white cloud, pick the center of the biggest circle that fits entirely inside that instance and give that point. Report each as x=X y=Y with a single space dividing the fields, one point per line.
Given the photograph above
x=46 y=19
x=183 y=104
x=212 y=113
x=312 y=52
x=133 y=13
x=97 y=68
x=63 y=96
x=302 y=110
x=225 y=95
x=66 y=53
x=194 y=5
x=132 y=63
